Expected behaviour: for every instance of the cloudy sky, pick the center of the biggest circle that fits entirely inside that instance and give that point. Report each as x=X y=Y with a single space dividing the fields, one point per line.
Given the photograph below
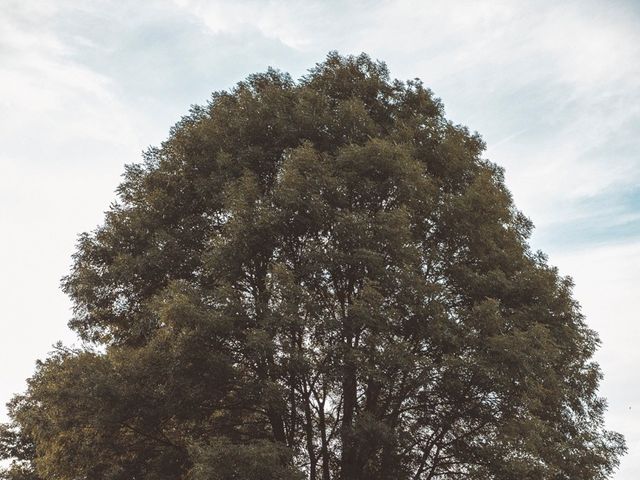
x=552 y=86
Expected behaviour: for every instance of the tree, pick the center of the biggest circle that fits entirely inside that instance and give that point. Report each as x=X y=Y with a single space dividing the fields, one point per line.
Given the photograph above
x=321 y=279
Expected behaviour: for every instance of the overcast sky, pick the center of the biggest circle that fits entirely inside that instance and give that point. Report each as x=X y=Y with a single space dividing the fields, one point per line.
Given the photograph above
x=552 y=86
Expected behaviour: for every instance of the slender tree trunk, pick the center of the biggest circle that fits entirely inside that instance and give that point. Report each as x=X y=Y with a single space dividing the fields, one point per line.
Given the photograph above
x=324 y=448
x=277 y=426
x=349 y=461
x=313 y=459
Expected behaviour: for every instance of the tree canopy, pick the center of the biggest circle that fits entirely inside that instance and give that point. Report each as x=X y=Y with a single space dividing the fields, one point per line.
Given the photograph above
x=320 y=279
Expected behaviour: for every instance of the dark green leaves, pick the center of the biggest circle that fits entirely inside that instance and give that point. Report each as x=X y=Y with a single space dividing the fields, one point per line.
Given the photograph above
x=319 y=280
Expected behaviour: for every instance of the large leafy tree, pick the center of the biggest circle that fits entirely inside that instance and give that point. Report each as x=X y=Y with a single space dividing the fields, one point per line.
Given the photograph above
x=320 y=279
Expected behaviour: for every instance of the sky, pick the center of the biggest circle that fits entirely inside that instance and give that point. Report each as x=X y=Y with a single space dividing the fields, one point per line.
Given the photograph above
x=552 y=86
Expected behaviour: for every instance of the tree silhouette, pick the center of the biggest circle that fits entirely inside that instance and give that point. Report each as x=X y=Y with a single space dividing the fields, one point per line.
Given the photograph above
x=321 y=279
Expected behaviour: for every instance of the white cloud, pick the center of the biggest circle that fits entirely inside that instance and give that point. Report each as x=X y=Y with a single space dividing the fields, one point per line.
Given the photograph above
x=607 y=282
x=48 y=98
x=297 y=25
x=63 y=139
x=565 y=75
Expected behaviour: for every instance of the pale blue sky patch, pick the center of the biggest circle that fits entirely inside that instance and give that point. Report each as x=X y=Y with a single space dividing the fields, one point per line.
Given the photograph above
x=608 y=219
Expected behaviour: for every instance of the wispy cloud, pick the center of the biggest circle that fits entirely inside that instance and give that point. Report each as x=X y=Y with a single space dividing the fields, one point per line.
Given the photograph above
x=57 y=120
x=565 y=75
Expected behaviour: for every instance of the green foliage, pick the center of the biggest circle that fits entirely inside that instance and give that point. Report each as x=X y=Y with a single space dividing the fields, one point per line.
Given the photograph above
x=221 y=459
x=320 y=279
